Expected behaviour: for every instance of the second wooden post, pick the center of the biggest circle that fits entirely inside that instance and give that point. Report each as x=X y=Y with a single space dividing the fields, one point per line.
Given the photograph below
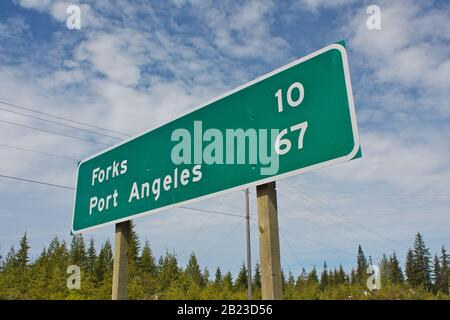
x=120 y=269
x=269 y=243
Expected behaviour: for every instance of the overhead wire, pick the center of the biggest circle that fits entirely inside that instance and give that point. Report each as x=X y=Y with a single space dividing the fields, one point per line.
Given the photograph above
x=63 y=118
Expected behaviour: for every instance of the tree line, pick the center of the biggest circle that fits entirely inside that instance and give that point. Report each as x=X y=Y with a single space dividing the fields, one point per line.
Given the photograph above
x=46 y=277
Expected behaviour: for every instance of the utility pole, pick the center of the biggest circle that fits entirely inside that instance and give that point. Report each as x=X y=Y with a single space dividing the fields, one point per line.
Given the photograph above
x=249 y=254
x=120 y=269
x=269 y=242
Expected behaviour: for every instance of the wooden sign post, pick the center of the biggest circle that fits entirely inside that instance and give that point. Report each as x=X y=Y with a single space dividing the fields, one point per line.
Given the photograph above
x=120 y=271
x=269 y=243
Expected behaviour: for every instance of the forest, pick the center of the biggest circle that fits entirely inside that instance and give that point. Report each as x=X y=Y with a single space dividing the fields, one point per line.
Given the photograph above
x=422 y=276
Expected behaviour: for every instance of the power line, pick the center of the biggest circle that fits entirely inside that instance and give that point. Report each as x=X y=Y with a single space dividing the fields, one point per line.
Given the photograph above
x=345 y=227
x=318 y=242
x=59 y=123
x=337 y=214
x=38 y=152
x=36 y=182
x=322 y=215
x=51 y=132
x=62 y=118
x=213 y=212
x=312 y=240
x=201 y=228
x=232 y=229
x=381 y=194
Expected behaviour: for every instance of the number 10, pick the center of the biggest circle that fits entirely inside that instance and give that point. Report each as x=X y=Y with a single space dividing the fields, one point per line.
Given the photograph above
x=293 y=103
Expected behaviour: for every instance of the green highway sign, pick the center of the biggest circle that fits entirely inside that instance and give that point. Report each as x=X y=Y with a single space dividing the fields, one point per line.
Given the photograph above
x=295 y=119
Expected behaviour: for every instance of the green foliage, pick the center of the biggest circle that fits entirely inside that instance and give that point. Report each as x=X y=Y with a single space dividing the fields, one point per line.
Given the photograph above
x=361 y=267
x=242 y=278
x=147 y=261
x=46 y=276
x=193 y=271
x=257 y=277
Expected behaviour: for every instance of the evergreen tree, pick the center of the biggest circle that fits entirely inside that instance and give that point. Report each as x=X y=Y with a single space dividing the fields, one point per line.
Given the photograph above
x=283 y=279
x=312 y=279
x=396 y=272
x=324 y=277
x=22 y=257
x=437 y=276
x=78 y=251
x=91 y=256
x=443 y=281
x=103 y=265
x=193 y=270
x=301 y=279
x=241 y=280
x=218 y=277
x=353 y=279
x=168 y=270
x=291 y=280
x=341 y=276
x=385 y=270
x=134 y=246
x=361 y=267
x=21 y=269
x=228 y=280
x=410 y=268
x=257 y=277
x=422 y=263
x=147 y=261
x=205 y=276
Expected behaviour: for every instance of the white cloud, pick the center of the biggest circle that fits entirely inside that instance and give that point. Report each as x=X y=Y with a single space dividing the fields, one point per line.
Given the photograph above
x=408 y=50
x=35 y=4
x=317 y=4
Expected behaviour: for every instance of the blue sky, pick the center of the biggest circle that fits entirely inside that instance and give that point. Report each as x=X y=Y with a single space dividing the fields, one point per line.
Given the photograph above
x=136 y=64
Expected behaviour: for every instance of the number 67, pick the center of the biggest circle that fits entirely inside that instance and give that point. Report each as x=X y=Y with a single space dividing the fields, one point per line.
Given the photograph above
x=286 y=142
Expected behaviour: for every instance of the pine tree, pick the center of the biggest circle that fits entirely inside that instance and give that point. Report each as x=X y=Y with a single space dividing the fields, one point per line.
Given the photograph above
x=78 y=251
x=291 y=280
x=205 y=276
x=385 y=270
x=341 y=276
x=301 y=279
x=241 y=280
x=410 y=268
x=91 y=256
x=362 y=265
x=218 y=277
x=443 y=281
x=283 y=279
x=257 y=277
x=193 y=270
x=168 y=270
x=324 y=277
x=134 y=246
x=228 y=280
x=437 y=276
x=21 y=271
x=396 y=272
x=422 y=263
x=22 y=257
x=312 y=279
x=103 y=264
x=147 y=261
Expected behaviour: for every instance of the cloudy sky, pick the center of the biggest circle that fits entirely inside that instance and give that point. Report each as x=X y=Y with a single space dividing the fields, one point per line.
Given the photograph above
x=136 y=64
